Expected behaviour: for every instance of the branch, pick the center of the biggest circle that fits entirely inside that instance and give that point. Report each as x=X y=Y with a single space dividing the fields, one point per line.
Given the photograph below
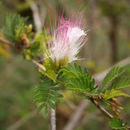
x=22 y=121
x=33 y=61
x=98 y=77
x=40 y=66
x=53 y=119
x=76 y=116
x=36 y=15
x=38 y=24
x=102 y=109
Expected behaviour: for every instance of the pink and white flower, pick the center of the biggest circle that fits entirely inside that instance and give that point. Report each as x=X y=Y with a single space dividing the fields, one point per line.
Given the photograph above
x=68 y=38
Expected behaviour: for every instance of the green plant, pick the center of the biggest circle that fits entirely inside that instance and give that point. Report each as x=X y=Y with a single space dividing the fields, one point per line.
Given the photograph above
x=59 y=75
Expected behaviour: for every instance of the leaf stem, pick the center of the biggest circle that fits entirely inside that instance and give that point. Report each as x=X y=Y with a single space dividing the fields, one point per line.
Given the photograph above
x=102 y=109
x=40 y=66
x=53 y=119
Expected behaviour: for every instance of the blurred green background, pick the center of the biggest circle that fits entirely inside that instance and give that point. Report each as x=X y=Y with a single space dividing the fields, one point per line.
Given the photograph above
x=108 y=25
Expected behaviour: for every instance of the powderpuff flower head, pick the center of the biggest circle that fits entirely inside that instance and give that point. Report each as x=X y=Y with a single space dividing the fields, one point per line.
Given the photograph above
x=68 y=38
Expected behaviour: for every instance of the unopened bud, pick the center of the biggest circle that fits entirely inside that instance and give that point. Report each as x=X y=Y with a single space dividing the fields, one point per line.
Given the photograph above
x=116 y=101
x=25 y=40
x=30 y=27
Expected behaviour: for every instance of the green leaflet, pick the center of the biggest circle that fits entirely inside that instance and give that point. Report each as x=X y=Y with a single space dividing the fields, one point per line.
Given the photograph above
x=50 y=73
x=117 y=124
x=112 y=75
x=14 y=27
x=114 y=93
x=47 y=94
x=76 y=79
x=117 y=78
x=72 y=71
x=121 y=82
x=50 y=69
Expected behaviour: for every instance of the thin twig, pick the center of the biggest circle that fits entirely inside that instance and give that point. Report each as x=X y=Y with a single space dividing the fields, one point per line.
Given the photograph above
x=36 y=15
x=22 y=121
x=33 y=61
x=98 y=77
x=53 y=119
x=40 y=66
x=102 y=109
x=76 y=116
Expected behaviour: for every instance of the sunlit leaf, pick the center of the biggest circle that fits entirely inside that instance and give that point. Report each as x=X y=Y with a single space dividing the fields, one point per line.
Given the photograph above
x=114 y=93
x=76 y=79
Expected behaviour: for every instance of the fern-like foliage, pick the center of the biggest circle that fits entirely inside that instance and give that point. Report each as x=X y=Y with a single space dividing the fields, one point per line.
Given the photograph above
x=76 y=79
x=121 y=82
x=14 y=27
x=114 y=93
x=47 y=94
x=116 y=79
x=124 y=80
x=112 y=75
